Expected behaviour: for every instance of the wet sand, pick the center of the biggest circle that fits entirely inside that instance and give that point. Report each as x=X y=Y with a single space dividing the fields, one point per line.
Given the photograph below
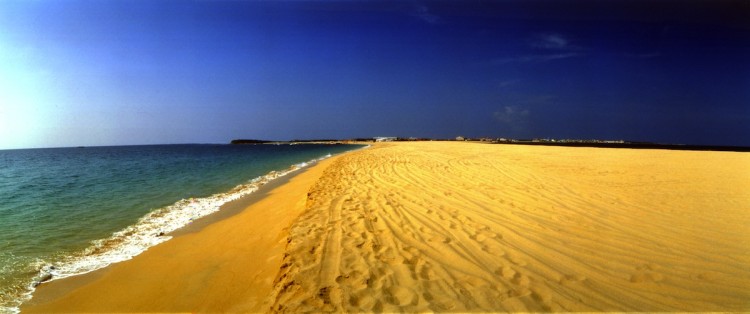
x=455 y=227
x=225 y=262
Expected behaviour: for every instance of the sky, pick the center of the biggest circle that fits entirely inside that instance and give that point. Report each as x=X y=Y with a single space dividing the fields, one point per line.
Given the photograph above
x=86 y=73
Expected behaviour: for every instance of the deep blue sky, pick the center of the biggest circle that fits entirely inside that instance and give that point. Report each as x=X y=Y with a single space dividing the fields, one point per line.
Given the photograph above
x=146 y=72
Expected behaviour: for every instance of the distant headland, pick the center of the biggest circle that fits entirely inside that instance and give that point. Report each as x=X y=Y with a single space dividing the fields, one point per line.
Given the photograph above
x=247 y=141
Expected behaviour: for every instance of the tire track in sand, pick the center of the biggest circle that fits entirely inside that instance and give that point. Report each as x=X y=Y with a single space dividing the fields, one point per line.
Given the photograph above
x=471 y=227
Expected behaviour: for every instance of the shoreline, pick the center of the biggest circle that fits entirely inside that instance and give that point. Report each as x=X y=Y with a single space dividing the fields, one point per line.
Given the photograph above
x=56 y=291
x=459 y=227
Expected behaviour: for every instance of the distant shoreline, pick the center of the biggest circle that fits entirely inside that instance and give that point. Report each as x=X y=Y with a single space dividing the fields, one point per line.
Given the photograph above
x=717 y=148
x=593 y=143
x=292 y=142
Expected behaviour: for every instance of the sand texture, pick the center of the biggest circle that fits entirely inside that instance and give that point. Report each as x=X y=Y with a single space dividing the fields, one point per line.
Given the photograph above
x=476 y=227
x=455 y=227
x=226 y=266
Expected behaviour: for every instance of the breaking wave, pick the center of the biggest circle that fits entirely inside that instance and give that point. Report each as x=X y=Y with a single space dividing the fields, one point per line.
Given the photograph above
x=150 y=230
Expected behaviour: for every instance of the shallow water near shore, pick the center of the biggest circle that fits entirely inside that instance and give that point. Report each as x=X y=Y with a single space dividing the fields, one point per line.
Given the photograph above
x=67 y=211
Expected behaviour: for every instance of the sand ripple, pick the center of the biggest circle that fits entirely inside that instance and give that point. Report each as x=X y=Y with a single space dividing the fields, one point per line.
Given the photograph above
x=474 y=227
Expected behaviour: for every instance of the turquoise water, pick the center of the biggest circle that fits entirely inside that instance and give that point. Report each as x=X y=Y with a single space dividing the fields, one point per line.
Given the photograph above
x=66 y=211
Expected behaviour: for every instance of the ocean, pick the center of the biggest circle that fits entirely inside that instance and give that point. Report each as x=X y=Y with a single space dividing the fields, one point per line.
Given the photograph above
x=68 y=211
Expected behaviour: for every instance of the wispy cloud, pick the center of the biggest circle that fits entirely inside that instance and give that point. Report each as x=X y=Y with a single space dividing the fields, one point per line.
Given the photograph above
x=543 y=48
x=537 y=58
x=423 y=13
x=512 y=116
x=550 y=41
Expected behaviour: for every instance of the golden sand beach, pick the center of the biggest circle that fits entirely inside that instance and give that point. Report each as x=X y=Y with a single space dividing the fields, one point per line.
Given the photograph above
x=455 y=227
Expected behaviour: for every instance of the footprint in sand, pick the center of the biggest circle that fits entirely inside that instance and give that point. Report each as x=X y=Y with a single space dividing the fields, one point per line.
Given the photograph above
x=521 y=282
x=493 y=248
x=472 y=282
x=375 y=282
x=515 y=259
x=435 y=238
x=647 y=266
x=543 y=296
x=428 y=296
x=398 y=295
x=364 y=299
x=646 y=273
x=506 y=272
x=521 y=279
x=412 y=251
x=646 y=277
x=427 y=273
x=482 y=235
x=572 y=279
x=519 y=292
x=442 y=305
x=356 y=281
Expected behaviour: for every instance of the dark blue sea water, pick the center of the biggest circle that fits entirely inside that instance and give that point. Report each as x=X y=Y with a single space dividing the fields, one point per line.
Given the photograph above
x=67 y=211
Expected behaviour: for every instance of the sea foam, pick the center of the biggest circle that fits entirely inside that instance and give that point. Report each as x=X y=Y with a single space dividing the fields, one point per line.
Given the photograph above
x=150 y=230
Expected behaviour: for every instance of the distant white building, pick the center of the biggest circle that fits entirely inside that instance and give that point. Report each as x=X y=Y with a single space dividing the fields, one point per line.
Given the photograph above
x=460 y=138
x=384 y=139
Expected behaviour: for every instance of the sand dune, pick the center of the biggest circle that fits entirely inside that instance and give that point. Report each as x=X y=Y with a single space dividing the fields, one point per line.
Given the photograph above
x=477 y=227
